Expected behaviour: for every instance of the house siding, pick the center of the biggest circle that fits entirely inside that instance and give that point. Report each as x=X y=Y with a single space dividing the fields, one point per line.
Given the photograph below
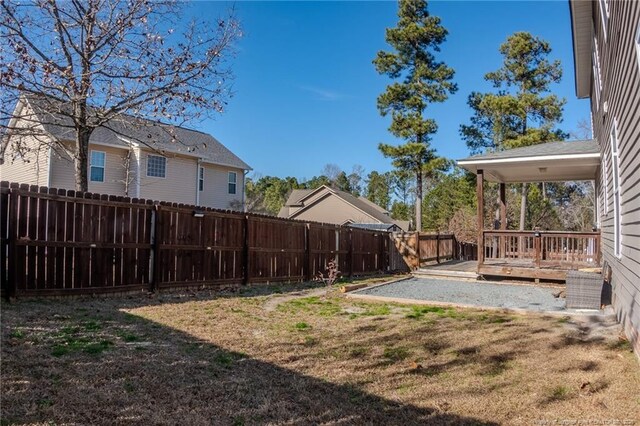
x=178 y=185
x=621 y=91
x=216 y=188
x=332 y=209
x=63 y=171
x=32 y=167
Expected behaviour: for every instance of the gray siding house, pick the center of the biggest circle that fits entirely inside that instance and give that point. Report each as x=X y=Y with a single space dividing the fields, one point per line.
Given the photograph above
x=606 y=43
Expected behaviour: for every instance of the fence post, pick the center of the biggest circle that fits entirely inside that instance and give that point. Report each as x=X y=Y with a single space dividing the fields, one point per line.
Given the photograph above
x=438 y=247
x=454 y=247
x=307 y=253
x=154 y=268
x=350 y=254
x=245 y=252
x=418 y=249
x=11 y=240
x=537 y=247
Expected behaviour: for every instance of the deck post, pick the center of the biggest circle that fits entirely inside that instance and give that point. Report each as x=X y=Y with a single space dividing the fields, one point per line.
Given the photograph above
x=480 y=196
x=503 y=217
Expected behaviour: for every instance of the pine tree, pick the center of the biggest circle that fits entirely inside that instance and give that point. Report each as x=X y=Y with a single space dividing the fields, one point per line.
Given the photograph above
x=521 y=112
x=420 y=81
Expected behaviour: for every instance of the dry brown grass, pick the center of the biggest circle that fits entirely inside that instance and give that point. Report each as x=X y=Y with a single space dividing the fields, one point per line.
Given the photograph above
x=205 y=358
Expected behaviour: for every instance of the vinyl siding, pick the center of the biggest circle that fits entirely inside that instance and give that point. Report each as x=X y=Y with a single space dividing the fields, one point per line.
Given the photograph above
x=178 y=185
x=332 y=209
x=33 y=166
x=621 y=91
x=63 y=171
x=216 y=188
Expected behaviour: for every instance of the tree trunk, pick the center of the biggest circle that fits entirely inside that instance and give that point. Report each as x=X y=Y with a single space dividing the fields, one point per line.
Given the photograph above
x=523 y=206
x=80 y=160
x=419 y=201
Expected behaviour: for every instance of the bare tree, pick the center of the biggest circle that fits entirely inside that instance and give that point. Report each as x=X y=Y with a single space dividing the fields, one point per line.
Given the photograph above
x=92 y=62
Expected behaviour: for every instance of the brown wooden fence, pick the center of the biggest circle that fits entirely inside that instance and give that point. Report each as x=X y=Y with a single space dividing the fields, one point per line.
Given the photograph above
x=420 y=249
x=57 y=242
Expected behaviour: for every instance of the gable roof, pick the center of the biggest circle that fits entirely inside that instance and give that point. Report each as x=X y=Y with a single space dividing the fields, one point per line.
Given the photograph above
x=298 y=196
x=365 y=206
x=125 y=130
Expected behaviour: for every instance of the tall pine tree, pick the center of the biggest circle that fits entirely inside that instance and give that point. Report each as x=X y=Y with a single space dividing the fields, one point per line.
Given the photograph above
x=521 y=112
x=420 y=81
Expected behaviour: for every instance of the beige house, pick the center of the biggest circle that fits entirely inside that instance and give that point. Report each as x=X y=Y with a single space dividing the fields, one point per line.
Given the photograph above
x=330 y=205
x=128 y=157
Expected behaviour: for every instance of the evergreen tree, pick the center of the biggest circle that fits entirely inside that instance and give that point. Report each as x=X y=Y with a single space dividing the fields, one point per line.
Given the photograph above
x=450 y=193
x=379 y=188
x=342 y=182
x=420 y=81
x=522 y=112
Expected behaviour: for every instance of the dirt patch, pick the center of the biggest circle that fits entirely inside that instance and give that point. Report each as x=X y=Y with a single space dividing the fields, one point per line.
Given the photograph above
x=303 y=358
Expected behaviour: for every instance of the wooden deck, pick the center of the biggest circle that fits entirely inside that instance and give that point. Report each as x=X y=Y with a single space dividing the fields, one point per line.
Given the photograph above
x=537 y=255
x=518 y=269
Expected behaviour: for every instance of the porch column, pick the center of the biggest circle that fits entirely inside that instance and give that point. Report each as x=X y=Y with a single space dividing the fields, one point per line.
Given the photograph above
x=503 y=207
x=480 y=196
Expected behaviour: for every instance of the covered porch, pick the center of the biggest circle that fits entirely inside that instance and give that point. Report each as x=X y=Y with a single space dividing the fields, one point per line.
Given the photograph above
x=534 y=254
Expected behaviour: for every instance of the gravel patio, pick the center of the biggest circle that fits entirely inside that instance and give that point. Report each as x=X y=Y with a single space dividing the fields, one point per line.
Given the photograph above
x=471 y=293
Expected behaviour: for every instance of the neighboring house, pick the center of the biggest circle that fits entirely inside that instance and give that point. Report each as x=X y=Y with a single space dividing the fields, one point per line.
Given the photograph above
x=129 y=157
x=606 y=43
x=330 y=205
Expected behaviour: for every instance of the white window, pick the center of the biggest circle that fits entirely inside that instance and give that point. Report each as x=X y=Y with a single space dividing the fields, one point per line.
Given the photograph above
x=605 y=189
x=201 y=179
x=156 y=166
x=617 y=231
x=604 y=13
x=233 y=182
x=638 y=44
x=597 y=77
x=97 y=166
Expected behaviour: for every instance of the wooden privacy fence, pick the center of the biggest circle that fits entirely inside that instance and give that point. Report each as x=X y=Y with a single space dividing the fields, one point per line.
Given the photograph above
x=423 y=248
x=56 y=242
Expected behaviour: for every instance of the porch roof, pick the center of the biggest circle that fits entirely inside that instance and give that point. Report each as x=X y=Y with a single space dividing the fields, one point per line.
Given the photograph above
x=547 y=162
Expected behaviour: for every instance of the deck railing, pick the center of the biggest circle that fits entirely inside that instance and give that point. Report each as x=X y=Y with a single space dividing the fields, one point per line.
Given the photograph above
x=541 y=249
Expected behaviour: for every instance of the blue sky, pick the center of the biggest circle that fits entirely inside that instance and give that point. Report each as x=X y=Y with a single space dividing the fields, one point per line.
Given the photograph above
x=305 y=87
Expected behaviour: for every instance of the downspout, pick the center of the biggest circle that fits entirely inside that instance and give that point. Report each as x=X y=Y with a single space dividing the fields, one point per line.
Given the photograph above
x=49 y=166
x=244 y=180
x=198 y=163
x=137 y=154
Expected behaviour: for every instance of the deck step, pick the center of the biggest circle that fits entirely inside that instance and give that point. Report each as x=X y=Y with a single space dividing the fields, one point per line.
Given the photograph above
x=423 y=272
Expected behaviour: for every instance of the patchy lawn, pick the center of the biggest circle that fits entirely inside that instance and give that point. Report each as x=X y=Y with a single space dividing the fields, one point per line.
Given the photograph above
x=304 y=358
